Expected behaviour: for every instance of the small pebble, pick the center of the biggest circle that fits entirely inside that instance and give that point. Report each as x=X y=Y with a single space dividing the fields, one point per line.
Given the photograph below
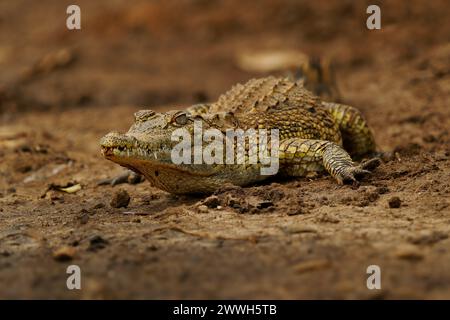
x=394 y=202
x=98 y=206
x=64 y=253
x=5 y=253
x=363 y=203
x=55 y=195
x=382 y=190
x=97 y=243
x=202 y=208
x=11 y=190
x=84 y=218
x=211 y=202
x=408 y=252
x=328 y=218
x=373 y=196
x=120 y=199
x=264 y=204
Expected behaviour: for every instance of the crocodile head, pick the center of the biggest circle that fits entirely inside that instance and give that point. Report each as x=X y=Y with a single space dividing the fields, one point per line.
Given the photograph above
x=147 y=146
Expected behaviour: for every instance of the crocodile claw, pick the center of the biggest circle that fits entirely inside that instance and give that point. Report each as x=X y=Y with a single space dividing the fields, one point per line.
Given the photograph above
x=370 y=164
x=352 y=175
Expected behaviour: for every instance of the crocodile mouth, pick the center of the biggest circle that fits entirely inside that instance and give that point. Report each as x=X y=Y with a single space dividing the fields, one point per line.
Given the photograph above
x=143 y=162
x=115 y=146
x=123 y=152
x=140 y=157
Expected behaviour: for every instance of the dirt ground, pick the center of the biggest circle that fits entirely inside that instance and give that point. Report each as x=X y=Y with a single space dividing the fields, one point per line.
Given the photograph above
x=61 y=90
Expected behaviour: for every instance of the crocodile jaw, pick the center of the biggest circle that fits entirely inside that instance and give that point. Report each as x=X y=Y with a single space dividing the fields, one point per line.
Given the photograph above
x=157 y=166
x=116 y=146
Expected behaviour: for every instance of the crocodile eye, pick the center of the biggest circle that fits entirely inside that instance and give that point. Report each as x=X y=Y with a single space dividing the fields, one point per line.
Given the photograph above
x=143 y=115
x=181 y=119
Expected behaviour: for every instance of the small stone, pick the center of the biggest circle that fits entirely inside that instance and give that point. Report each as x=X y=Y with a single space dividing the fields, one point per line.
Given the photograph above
x=233 y=202
x=241 y=209
x=202 y=208
x=382 y=190
x=25 y=148
x=5 y=253
x=394 y=202
x=54 y=195
x=408 y=252
x=84 y=218
x=97 y=243
x=64 y=253
x=11 y=190
x=23 y=167
x=363 y=203
x=373 y=196
x=75 y=243
x=211 y=202
x=276 y=194
x=98 y=206
x=264 y=204
x=327 y=218
x=323 y=200
x=120 y=199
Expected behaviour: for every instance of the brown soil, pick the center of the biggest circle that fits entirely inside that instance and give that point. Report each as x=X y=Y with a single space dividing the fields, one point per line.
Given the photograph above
x=61 y=90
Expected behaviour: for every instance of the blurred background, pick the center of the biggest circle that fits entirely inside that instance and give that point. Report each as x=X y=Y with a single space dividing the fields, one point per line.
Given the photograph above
x=149 y=53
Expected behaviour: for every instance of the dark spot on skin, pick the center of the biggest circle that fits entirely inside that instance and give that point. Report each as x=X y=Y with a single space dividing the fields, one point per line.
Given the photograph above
x=156 y=173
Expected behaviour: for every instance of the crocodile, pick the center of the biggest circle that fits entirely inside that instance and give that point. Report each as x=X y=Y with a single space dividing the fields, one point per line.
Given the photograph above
x=314 y=136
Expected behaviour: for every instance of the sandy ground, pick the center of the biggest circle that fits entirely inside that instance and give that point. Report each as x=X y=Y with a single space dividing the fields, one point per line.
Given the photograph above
x=60 y=91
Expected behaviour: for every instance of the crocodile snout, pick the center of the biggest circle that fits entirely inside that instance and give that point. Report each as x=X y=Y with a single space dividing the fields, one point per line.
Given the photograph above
x=116 y=141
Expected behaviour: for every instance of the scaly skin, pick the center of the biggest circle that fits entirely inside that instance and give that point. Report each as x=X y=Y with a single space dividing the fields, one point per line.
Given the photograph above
x=314 y=136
